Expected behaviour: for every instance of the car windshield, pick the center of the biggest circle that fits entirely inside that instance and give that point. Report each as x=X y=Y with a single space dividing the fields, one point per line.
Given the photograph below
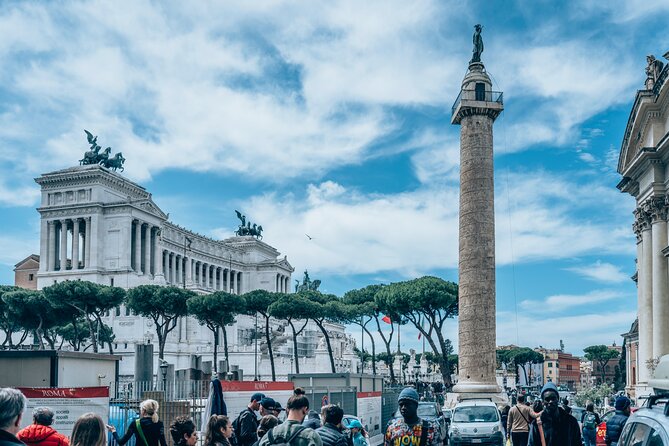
x=475 y=414
x=427 y=410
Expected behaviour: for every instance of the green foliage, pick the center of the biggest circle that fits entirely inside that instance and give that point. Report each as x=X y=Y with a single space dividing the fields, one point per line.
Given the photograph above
x=427 y=303
x=7 y=323
x=595 y=395
x=259 y=302
x=293 y=307
x=74 y=335
x=32 y=311
x=601 y=354
x=88 y=299
x=622 y=369
x=164 y=305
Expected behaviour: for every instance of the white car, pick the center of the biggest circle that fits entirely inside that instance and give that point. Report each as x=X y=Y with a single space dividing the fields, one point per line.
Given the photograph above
x=476 y=422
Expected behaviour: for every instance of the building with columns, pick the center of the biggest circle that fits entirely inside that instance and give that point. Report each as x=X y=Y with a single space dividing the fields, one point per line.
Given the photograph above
x=644 y=166
x=98 y=226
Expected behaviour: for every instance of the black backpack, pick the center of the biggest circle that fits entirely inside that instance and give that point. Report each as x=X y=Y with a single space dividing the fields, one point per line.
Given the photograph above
x=236 y=424
x=280 y=441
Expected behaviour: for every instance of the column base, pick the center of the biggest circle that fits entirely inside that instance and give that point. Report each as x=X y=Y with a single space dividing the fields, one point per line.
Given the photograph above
x=474 y=390
x=159 y=279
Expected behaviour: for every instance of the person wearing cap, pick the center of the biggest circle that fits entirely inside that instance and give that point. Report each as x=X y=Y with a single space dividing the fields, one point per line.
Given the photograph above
x=267 y=405
x=246 y=424
x=554 y=424
x=277 y=410
x=292 y=431
x=357 y=433
x=410 y=429
x=615 y=425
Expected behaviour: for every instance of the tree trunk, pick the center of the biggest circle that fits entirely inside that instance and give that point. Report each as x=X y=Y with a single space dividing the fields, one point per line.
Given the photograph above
x=297 y=358
x=91 y=330
x=269 y=348
x=373 y=350
x=522 y=366
x=161 y=341
x=327 y=342
x=387 y=344
x=446 y=374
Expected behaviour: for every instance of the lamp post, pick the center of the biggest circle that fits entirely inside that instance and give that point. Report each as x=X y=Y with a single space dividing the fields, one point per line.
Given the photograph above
x=163 y=371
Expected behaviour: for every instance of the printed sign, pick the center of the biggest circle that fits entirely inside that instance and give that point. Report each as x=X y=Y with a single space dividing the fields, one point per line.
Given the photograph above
x=237 y=394
x=67 y=404
x=369 y=412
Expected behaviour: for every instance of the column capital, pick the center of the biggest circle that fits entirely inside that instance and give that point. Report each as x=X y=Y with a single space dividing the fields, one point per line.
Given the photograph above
x=657 y=208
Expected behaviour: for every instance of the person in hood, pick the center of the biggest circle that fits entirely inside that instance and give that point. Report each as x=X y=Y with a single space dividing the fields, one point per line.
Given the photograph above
x=554 y=423
x=615 y=425
x=40 y=433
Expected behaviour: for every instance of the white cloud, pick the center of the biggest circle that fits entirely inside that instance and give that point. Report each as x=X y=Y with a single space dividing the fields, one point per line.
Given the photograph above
x=601 y=272
x=566 y=302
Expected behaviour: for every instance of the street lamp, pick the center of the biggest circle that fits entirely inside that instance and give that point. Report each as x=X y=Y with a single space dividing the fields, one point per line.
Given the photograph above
x=163 y=371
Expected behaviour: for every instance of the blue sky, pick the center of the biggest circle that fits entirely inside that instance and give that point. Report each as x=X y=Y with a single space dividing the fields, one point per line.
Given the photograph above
x=333 y=119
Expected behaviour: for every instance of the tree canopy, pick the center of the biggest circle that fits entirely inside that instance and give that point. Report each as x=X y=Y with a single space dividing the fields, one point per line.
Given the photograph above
x=601 y=354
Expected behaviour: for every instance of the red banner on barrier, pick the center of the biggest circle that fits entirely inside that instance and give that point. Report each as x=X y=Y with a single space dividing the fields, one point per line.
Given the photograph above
x=69 y=392
x=368 y=394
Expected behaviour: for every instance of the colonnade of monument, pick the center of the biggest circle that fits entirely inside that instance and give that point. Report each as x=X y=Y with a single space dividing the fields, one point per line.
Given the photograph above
x=69 y=244
x=650 y=227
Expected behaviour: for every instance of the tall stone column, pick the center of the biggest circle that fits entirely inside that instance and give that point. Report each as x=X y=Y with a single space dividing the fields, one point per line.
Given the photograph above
x=138 y=247
x=178 y=280
x=642 y=227
x=75 y=243
x=147 y=249
x=171 y=275
x=52 y=245
x=189 y=271
x=63 y=245
x=475 y=111
x=233 y=285
x=202 y=282
x=88 y=236
x=158 y=260
x=660 y=281
x=227 y=280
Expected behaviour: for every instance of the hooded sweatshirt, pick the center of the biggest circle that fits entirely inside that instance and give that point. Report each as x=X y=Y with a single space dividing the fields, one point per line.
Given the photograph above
x=39 y=435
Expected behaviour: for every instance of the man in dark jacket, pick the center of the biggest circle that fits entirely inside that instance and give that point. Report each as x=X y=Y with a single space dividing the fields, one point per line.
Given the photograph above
x=12 y=405
x=246 y=424
x=615 y=425
x=331 y=433
x=558 y=427
x=313 y=420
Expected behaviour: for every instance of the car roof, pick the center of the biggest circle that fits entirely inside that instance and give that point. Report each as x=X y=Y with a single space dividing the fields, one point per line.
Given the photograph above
x=655 y=413
x=470 y=403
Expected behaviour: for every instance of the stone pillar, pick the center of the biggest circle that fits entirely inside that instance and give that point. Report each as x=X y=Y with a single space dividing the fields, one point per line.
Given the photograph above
x=63 y=245
x=642 y=227
x=217 y=280
x=178 y=270
x=202 y=281
x=476 y=319
x=226 y=282
x=75 y=243
x=205 y=275
x=52 y=245
x=172 y=273
x=147 y=250
x=189 y=271
x=138 y=247
x=660 y=280
x=159 y=260
x=88 y=236
x=233 y=284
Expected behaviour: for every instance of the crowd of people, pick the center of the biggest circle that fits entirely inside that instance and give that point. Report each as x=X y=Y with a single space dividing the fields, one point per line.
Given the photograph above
x=549 y=423
x=248 y=429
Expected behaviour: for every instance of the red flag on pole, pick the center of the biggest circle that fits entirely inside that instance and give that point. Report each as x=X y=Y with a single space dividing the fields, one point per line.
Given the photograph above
x=419 y=335
x=386 y=319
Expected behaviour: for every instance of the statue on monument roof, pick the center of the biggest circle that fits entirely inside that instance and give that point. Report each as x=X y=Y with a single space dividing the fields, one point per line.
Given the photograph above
x=478 y=44
x=653 y=71
x=93 y=156
x=307 y=284
x=245 y=228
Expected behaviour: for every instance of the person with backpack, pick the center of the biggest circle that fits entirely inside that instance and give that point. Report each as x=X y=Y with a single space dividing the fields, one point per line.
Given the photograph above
x=410 y=429
x=147 y=429
x=518 y=422
x=245 y=425
x=615 y=425
x=291 y=432
x=590 y=420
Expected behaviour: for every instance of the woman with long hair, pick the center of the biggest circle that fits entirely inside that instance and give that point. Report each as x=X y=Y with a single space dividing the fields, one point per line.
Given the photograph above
x=89 y=430
x=147 y=429
x=219 y=431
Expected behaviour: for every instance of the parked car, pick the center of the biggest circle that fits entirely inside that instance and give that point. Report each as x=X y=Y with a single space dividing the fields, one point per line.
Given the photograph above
x=648 y=426
x=430 y=411
x=476 y=422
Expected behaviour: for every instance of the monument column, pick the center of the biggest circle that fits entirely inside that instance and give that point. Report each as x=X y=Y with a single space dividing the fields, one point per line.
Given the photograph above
x=63 y=245
x=138 y=247
x=75 y=243
x=189 y=271
x=171 y=273
x=475 y=110
x=178 y=280
x=158 y=261
x=645 y=293
x=52 y=245
x=147 y=250
x=88 y=235
x=660 y=281
x=233 y=285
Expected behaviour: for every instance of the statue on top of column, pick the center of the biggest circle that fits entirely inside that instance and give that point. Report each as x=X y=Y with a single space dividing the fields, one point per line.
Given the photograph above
x=478 y=44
